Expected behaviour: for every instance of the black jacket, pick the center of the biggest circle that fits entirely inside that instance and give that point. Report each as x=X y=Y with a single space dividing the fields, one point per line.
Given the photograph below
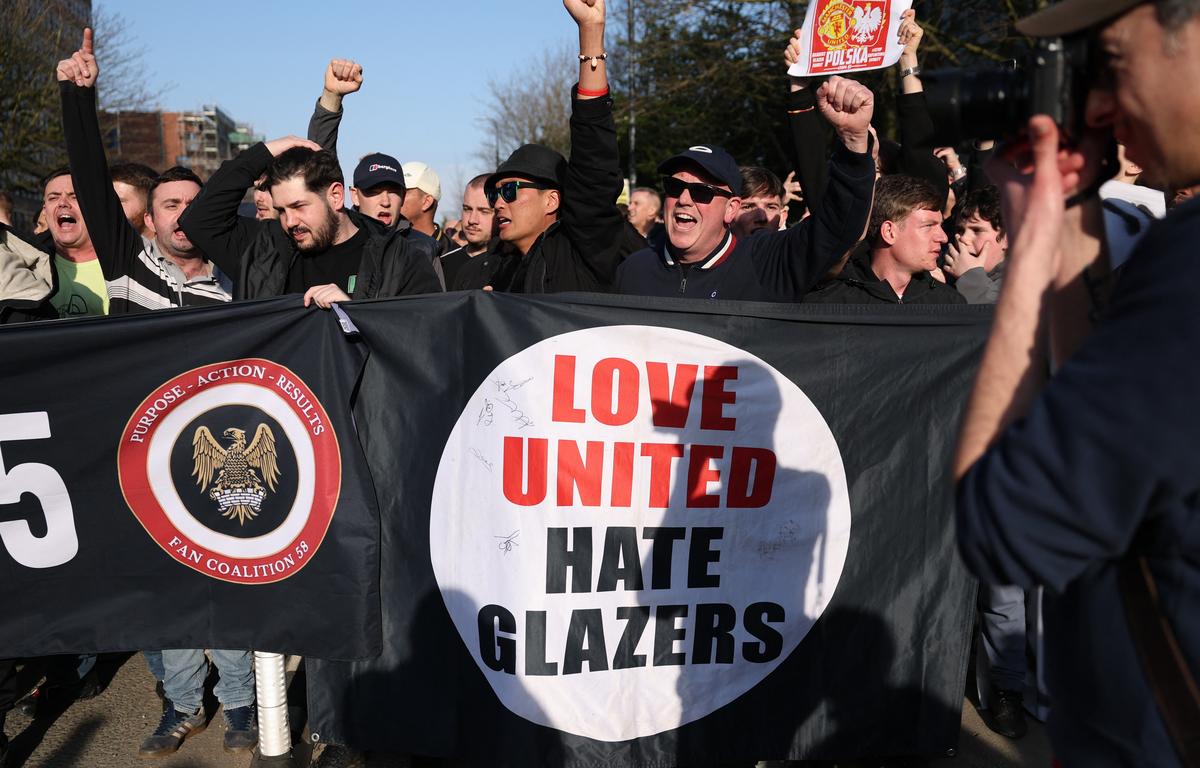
x=260 y=255
x=767 y=266
x=580 y=251
x=858 y=285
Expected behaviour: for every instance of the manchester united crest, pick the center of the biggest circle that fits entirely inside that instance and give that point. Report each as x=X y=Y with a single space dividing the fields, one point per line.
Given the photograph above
x=844 y=24
x=233 y=469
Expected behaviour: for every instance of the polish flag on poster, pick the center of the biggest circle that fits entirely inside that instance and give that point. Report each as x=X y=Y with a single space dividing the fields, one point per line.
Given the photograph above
x=849 y=36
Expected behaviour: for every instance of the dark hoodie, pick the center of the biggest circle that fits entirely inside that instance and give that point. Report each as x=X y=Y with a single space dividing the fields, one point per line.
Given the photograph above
x=857 y=284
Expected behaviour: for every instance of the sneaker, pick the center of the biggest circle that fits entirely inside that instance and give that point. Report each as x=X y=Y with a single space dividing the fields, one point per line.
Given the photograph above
x=1008 y=714
x=28 y=705
x=241 y=729
x=90 y=686
x=174 y=729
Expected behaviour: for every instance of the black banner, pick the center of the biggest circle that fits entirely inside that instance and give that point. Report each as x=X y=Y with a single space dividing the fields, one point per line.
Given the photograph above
x=627 y=531
x=188 y=479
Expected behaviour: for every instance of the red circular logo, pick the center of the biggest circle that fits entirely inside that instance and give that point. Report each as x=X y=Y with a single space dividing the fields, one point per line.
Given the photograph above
x=234 y=469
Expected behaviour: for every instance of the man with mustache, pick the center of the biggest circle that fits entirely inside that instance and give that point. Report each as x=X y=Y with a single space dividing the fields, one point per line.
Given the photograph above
x=169 y=271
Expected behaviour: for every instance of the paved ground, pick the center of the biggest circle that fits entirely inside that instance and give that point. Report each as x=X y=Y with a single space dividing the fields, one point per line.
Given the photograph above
x=105 y=733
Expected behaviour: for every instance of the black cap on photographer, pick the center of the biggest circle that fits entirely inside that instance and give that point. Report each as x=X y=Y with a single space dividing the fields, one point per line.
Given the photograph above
x=1071 y=16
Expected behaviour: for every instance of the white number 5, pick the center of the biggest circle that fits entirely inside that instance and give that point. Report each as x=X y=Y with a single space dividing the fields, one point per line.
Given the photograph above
x=60 y=544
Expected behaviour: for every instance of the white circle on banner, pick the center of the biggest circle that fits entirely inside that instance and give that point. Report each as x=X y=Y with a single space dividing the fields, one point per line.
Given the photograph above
x=732 y=493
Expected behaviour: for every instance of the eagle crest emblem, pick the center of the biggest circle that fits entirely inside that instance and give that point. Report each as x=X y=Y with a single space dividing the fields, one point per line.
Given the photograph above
x=238 y=489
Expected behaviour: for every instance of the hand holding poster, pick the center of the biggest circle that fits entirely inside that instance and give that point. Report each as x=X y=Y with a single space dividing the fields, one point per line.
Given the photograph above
x=842 y=36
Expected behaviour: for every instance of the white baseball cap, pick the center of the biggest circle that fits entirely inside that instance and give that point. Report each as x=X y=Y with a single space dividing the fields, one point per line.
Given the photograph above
x=420 y=176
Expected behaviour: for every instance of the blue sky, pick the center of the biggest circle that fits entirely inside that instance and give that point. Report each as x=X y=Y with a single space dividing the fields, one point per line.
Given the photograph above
x=427 y=67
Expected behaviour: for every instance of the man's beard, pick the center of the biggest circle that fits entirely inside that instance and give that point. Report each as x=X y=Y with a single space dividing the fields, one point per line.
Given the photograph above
x=169 y=247
x=322 y=236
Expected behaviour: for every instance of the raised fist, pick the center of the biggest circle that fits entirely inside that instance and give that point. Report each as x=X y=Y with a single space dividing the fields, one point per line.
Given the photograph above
x=791 y=54
x=585 y=12
x=81 y=68
x=343 y=76
x=848 y=106
x=910 y=32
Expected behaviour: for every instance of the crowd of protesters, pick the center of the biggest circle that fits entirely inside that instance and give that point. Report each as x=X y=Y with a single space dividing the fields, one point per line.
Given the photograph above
x=860 y=219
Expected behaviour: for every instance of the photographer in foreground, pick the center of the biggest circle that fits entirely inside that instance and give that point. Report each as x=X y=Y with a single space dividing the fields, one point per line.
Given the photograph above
x=1091 y=487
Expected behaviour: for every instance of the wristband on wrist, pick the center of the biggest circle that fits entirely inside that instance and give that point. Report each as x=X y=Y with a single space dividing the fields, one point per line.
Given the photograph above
x=915 y=70
x=595 y=60
x=592 y=94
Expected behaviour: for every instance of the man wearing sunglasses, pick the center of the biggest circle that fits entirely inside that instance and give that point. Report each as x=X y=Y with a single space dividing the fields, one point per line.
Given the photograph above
x=703 y=258
x=557 y=220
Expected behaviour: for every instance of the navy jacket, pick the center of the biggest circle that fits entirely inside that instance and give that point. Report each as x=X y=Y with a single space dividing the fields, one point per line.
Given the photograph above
x=767 y=266
x=1105 y=465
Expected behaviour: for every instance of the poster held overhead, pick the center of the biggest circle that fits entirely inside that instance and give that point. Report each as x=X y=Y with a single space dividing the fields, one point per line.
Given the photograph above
x=841 y=36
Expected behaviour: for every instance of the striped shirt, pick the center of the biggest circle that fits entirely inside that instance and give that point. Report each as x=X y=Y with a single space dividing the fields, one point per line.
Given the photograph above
x=149 y=281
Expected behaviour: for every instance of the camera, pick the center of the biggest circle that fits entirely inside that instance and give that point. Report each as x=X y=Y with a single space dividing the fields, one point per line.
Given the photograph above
x=1053 y=80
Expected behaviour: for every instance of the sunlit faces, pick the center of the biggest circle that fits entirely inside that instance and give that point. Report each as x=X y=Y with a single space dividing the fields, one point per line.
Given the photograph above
x=478 y=218
x=63 y=217
x=307 y=217
x=696 y=229
x=414 y=203
x=133 y=202
x=529 y=214
x=263 y=207
x=976 y=233
x=168 y=201
x=1141 y=97
x=757 y=212
x=916 y=240
x=381 y=202
x=643 y=210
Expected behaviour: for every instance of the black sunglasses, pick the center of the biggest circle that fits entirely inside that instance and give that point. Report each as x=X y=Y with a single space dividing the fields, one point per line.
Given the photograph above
x=508 y=190
x=701 y=193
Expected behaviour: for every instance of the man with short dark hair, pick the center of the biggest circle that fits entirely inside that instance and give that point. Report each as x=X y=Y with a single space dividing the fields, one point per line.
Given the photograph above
x=558 y=222
x=132 y=183
x=1090 y=487
x=762 y=202
x=905 y=239
x=976 y=255
x=317 y=247
x=478 y=227
x=167 y=272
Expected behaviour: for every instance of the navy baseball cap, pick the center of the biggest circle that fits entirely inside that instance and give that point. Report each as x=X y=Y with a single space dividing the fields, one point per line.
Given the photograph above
x=376 y=169
x=715 y=161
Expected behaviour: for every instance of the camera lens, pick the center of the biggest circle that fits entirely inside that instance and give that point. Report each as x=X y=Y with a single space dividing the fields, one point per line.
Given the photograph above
x=983 y=104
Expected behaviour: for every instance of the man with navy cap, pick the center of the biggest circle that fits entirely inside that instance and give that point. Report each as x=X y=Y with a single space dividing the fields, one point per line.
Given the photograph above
x=703 y=259
x=1090 y=488
x=378 y=189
